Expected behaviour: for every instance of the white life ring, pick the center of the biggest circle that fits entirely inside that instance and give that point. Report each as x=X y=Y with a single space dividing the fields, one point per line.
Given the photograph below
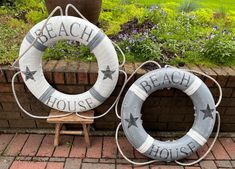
x=196 y=137
x=69 y=28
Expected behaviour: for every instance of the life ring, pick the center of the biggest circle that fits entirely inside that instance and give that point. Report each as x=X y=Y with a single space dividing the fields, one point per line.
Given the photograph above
x=197 y=136
x=76 y=29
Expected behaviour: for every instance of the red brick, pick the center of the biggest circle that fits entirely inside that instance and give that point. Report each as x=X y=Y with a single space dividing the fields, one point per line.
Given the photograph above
x=59 y=72
x=70 y=89
x=83 y=73
x=194 y=156
x=208 y=165
x=141 y=167
x=9 y=73
x=201 y=151
x=107 y=160
x=229 y=146
x=192 y=168
x=138 y=155
x=231 y=73
x=4 y=124
x=211 y=73
x=129 y=69
x=32 y=144
x=233 y=163
x=28 y=165
x=109 y=148
x=222 y=77
x=4 y=141
x=71 y=72
x=49 y=66
x=97 y=166
x=73 y=163
x=14 y=148
x=93 y=72
x=47 y=147
x=10 y=115
x=48 y=69
x=6 y=88
x=79 y=147
x=166 y=167
x=196 y=68
x=218 y=151
x=140 y=72
x=10 y=107
x=230 y=111
x=223 y=164
x=63 y=149
x=96 y=146
x=5 y=162
x=126 y=148
x=2 y=76
x=124 y=166
x=55 y=165
x=44 y=124
x=22 y=123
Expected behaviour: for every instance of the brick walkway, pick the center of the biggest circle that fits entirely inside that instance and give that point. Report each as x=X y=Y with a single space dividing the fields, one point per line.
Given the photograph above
x=31 y=151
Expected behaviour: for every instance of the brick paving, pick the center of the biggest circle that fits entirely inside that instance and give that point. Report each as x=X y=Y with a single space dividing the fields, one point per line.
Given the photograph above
x=36 y=151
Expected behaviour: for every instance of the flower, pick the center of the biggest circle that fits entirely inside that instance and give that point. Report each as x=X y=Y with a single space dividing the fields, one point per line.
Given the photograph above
x=153 y=38
x=154 y=27
x=163 y=13
x=224 y=31
x=141 y=39
x=211 y=36
x=120 y=36
x=131 y=40
x=215 y=28
x=134 y=31
x=152 y=8
x=128 y=48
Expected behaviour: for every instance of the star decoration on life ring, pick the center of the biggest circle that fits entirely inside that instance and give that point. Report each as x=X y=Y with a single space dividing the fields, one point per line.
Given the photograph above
x=208 y=112
x=108 y=73
x=132 y=121
x=29 y=74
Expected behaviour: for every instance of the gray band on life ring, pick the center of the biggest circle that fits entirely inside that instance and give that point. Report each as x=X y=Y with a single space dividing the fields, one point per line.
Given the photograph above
x=96 y=40
x=45 y=96
x=37 y=45
x=157 y=80
x=97 y=95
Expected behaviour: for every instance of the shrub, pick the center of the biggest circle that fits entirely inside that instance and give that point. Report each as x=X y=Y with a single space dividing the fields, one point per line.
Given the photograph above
x=188 y=6
x=220 y=49
x=140 y=47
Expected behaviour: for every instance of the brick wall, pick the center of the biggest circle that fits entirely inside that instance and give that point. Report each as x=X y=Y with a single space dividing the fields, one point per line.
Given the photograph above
x=166 y=110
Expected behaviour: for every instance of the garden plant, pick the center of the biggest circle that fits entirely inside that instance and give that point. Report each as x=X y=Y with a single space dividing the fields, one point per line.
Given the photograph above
x=171 y=32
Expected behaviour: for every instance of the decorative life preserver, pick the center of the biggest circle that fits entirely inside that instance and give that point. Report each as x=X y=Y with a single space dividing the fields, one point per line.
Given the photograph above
x=197 y=136
x=76 y=29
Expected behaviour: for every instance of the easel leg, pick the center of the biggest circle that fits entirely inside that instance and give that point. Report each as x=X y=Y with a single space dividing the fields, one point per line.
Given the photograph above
x=86 y=135
x=57 y=134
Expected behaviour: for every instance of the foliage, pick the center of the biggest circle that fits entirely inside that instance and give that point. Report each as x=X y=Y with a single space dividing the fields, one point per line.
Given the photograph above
x=140 y=47
x=220 y=49
x=175 y=32
x=68 y=50
x=114 y=14
x=188 y=6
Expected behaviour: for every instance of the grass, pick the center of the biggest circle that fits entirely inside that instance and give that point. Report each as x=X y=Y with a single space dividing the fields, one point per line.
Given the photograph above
x=212 y=4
